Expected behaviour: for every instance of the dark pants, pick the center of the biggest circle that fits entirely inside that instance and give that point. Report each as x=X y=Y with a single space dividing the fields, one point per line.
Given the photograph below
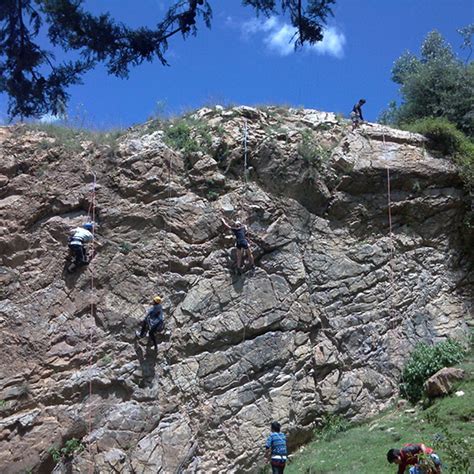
x=278 y=469
x=152 y=327
x=79 y=253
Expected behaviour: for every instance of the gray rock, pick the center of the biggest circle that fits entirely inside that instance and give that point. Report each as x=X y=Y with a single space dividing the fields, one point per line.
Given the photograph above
x=323 y=324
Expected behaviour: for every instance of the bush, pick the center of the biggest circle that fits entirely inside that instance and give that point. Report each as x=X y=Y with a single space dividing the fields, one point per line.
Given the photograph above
x=312 y=152
x=332 y=425
x=425 y=361
x=178 y=136
x=448 y=139
x=440 y=131
x=188 y=135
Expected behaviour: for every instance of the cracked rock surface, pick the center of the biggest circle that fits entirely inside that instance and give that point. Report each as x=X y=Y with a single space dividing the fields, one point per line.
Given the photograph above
x=323 y=324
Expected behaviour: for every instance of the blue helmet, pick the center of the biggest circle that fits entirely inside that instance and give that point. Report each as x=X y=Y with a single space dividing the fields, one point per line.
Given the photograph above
x=88 y=226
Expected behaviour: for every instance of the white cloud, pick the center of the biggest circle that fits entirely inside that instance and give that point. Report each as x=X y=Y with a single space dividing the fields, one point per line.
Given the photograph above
x=280 y=37
x=49 y=118
x=280 y=40
x=332 y=43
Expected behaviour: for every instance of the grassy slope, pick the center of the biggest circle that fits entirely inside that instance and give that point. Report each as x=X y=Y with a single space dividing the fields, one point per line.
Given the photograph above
x=362 y=449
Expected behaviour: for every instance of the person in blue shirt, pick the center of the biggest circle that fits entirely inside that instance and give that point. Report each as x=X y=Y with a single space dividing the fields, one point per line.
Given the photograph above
x=241 y=242
x=356 y=114
x=275 y=449
x=153 y=322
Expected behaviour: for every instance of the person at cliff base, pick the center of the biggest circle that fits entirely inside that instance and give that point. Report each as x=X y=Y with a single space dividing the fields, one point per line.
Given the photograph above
x=356 y=114
x=241 y=241
x=80 y=236
x=153 y=322
x=275 y=449
x=422 y=458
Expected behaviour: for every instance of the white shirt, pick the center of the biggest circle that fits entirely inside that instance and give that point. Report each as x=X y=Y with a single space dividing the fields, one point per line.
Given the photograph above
x=81 y=236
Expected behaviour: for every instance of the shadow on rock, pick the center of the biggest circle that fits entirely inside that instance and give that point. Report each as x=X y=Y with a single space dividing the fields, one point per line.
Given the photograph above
x=147 y=360
x=70 y=278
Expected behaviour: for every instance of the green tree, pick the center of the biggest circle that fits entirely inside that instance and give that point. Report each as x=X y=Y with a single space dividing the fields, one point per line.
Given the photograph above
x=36 y=83
x=436 y=84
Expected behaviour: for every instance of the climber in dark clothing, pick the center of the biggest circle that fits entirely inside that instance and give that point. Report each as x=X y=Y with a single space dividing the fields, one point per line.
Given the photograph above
x=153 y=322
x=356 y=114
x=241 y=241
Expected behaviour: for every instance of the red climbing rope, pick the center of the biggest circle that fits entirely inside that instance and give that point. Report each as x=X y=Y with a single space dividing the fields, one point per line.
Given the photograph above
x=91 y=216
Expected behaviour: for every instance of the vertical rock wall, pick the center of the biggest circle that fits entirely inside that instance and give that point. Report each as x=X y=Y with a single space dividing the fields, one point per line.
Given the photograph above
x=322 y=325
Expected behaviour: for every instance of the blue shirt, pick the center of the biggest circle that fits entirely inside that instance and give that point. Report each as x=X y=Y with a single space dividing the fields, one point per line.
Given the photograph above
x=239 y=233
x=277 y=443
x=155 y=313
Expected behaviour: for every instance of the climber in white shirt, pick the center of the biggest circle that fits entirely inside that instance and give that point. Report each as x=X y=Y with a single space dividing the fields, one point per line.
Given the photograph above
x=79 y=237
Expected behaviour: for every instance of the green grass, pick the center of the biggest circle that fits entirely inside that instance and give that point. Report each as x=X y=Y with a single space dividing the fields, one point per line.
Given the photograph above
x=187 y=135
x=362 y=449
x=70 y=138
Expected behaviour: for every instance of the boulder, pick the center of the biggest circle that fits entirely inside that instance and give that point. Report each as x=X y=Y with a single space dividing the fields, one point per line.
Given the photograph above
x=441 y=383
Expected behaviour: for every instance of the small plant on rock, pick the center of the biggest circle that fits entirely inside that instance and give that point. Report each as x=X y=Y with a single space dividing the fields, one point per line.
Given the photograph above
x=24 y=390
x=55 y=453
x=188 y=135
x=125 y=247
x=312 y=152
x=106 y=359
x=212 y=195
x=71 y=446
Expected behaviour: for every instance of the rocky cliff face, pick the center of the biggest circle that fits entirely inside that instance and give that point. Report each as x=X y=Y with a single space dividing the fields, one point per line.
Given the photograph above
x=322 y=325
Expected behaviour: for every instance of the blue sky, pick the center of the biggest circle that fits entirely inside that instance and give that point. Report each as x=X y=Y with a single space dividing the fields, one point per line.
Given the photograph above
x=245 y=60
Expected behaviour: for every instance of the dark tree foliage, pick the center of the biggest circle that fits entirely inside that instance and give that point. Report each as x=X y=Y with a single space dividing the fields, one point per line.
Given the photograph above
x=36 y=83
x=436 y=84
x=307 y=17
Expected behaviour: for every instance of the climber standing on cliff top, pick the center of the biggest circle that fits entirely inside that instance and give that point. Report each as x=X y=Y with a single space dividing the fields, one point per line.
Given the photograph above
x=241 y=241
x=356 y=114
x=153 y=322
x=423 y=459
x=275 y=449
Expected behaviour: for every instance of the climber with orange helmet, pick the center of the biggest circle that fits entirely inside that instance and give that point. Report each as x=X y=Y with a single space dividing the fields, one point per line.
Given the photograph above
x=153 y=322
x=241 y=241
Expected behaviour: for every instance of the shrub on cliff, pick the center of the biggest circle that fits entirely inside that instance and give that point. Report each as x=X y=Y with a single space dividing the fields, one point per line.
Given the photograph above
x=448 y=139
x=425 y=361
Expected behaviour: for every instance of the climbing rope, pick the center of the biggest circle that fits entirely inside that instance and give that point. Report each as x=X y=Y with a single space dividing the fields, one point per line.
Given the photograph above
x=391 y=261
x=91 y=216
x=245 y=140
